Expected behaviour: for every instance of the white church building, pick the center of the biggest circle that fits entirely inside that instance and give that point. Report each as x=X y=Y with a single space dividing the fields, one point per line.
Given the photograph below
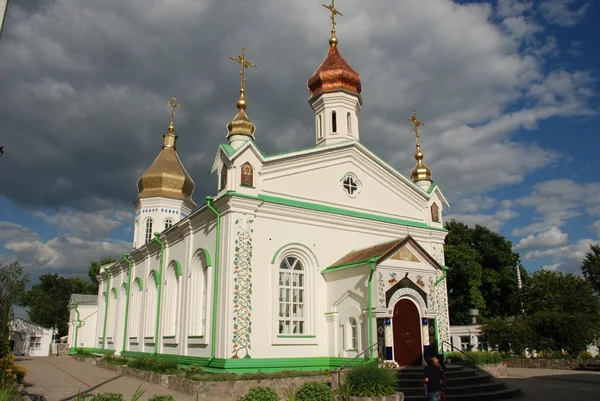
x=299 y=260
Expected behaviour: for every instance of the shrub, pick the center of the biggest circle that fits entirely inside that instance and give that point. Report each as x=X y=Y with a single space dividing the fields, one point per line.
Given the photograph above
x=115 y=360
x=260 y=393
x=108 y=397
x=478 y=358
x=193 y=371
x=7 y=391
x=153 y=364
x=225 y=376
x=370 y=380
x=159 y=397
x=10 y=372
x=314 y=391
x=585 y=355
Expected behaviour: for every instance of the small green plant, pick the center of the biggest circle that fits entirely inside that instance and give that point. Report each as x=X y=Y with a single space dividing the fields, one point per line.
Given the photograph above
x=478 y=358
x=193 y=371
x=370 y=380
x=153 y=364
x=260 y=393
x=314 y=391
x=115 y=360
x=83 y=352
x=585 y=355
x=108 y=397
x=6 y=392
x=290 y=395
x=161 y=397
x=345 y=390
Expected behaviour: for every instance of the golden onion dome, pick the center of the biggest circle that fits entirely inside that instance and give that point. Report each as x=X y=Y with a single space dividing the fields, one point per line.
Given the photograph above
x=241 y=124
x=167 y=177
x=334 y=73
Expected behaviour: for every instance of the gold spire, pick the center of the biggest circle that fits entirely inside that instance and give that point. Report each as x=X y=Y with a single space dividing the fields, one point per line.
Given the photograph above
x=421 y=172
x=241 y=124
x=167 y=177
x=333 y=40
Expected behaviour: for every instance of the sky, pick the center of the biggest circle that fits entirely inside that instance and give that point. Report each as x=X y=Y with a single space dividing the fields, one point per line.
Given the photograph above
x=507 y=91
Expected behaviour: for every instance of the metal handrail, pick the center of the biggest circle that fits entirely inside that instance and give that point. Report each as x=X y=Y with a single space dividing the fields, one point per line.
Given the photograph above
x=459 y=350
x=338 y=370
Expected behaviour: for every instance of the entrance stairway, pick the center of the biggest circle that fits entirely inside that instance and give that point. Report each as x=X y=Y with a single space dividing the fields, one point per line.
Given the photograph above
x=464 y=383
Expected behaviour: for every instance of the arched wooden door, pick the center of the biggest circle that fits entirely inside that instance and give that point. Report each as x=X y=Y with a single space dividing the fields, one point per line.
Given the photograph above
x=406 y=326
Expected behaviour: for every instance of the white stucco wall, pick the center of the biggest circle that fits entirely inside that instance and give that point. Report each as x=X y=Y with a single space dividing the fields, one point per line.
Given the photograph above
x=29 y=338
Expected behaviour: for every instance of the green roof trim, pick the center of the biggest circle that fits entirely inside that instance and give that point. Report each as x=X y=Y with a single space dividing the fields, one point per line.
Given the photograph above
x=347 y=265
x=335 y=210
x=228 y=148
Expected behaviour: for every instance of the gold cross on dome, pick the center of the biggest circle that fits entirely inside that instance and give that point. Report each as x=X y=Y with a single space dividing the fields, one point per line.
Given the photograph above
x=417 y=123
x=173 y=103
x=245 y=64
x=334 y=12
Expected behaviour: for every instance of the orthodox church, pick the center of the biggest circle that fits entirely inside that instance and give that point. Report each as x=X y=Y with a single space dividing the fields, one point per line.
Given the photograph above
x=299 y=260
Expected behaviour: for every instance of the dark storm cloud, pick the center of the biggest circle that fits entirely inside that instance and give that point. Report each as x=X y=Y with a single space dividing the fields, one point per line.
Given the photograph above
x=85 y=84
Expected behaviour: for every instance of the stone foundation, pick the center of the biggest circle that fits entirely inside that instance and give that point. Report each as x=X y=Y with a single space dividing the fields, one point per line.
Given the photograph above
x=214 y=390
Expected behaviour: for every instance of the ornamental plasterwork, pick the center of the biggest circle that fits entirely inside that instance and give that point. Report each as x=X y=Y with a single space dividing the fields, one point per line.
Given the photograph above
x=242 y=289
x=437 y=251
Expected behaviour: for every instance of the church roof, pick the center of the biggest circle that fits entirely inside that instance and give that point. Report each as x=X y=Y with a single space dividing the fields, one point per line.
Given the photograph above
x=84 y=299
x=334 y=74
x=377 y=254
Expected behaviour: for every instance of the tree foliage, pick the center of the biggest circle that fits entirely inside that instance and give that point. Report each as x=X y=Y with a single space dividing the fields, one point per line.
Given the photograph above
x=561 y=313
x=481 y=273
x=48 y=300
x=94 y=271
x=12 y=288
x=591 y=267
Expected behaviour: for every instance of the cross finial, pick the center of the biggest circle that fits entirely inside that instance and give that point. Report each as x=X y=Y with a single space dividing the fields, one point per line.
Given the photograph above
x=417 y=123
x=333 y=40
x=173 y=103
x=245 y=64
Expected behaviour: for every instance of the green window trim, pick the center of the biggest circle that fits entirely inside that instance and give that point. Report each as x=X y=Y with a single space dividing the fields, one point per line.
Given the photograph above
x=207 y=257
x=178 y=269
x=115 y=292
x=140 y=282
x=154 y=274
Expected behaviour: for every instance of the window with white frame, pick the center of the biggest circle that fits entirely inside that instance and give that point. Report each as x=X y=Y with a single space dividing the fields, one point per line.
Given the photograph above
x=168 y=223
x=135 y=306
x=353 y=334
x=35 y=342
x=351 y=185
x=148 y=229
x=150 y=305
x=198 y=283
x=170 y=301
x=292 y=297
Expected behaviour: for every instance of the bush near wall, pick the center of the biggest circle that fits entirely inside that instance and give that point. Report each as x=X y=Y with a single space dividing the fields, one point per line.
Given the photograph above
x=478 y=358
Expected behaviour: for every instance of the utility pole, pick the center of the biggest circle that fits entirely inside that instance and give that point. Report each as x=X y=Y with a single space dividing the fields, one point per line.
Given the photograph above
x=3 y=8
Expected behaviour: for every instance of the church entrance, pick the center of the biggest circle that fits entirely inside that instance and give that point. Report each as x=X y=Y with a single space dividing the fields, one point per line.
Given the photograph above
x=406 y=326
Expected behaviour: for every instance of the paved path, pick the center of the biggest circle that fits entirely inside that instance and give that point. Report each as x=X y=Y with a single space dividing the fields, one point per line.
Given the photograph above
x=61 y=378
x=555 y=385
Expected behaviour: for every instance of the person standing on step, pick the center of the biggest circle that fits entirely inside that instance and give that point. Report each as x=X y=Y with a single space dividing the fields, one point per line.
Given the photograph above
x=433 y=379
x=438 y=362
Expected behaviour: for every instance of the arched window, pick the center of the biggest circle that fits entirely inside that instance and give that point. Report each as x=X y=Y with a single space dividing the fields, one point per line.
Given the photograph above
x=223 y=182
x=110 y=317
x=349 y=122
x=118 y=335
x=247 y=175
x=320 y=126
x=168 y=223
x=353 y=334
x=148 y=229
x=198 y=279
x=135 y=304
x=150 y=305
x=333 y=122
x=171 y=301
x=292 y=297
x=101 y=311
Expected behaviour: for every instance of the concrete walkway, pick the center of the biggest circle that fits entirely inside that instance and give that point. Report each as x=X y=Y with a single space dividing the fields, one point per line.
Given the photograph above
x=555 y=385
x=61 y=378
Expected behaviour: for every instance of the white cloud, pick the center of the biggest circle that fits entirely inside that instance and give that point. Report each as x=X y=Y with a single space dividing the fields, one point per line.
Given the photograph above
x=493 y=221
x=14 y=232
x=550 y=238
x=511 y=8
x=474 y=204
x=596 y=227
x=571 y=252
x=564 y=12
x=84 y=225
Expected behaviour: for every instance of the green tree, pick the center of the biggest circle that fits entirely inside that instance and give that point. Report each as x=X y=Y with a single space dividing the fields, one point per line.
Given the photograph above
x=12 y=288
x=481 y=273
x=47 y=301
x=591 y=267
x=94 y=271
x=561 y=313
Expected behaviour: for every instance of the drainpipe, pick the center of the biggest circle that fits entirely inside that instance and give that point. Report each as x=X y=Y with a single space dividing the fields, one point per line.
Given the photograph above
x=79 y=323
x=445 y=269
x=105 y=307
x=159 y=280
x=129 y=262
x=370 y=306
x=213 y=336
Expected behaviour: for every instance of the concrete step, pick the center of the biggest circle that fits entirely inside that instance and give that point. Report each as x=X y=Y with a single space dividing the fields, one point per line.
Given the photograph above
x=477 y=378
x=418 y=374
x=504 y=394
x=470 y=389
